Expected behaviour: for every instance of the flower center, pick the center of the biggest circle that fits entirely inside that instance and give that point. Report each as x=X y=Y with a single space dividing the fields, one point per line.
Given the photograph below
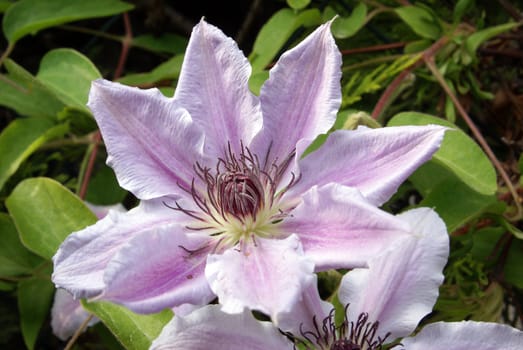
x=240 y=197
x=349 y=335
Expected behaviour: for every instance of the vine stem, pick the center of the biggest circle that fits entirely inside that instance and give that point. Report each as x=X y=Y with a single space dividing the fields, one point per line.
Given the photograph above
x=390 y=91
x=429 y=61
x=77 y=333
x=97 y=138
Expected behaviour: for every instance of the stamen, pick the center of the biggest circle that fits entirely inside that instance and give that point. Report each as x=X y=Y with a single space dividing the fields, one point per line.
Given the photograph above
x=349 y=335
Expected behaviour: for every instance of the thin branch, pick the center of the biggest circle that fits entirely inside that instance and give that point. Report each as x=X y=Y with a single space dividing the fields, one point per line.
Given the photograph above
x=77 y=333
x=126 y=44
x=374 y=48
x=389 y=93
x=247 y=23
x=6 y=53
x=429 y=61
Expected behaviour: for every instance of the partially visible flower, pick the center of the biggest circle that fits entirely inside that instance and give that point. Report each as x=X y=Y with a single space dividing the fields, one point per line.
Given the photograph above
x=229 y=207
x=384 y=304
x=67 y=314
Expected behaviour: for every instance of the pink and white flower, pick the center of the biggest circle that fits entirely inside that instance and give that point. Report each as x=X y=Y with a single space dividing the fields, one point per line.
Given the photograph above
x=229 y=206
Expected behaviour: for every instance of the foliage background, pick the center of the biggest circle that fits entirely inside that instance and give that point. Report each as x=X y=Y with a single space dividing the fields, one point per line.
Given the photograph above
x=457 y=63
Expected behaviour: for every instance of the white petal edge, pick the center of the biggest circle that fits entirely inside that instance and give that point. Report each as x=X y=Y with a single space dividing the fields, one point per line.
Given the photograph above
x=211 y=328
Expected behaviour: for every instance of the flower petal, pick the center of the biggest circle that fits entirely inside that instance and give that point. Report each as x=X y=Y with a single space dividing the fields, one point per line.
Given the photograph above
x=159 y=269
x=213 y=87
x=302 y=95
x=465 y=335
x=376 y=161
x=304 y=311
x=211 y=328
x=80 y=262
x=345 y=230
x=152 y=143
x=67 y=315
x=267 y=275
x=401 y=286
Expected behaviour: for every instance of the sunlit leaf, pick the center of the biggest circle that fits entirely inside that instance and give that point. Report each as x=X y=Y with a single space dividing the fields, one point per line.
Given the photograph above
x=30 y=16
x=70 y=73
x=21 y=138
x=169 y=70
x=458 y=153
x=34 y=301
x=275 y=33
x=456 y=203
x=345 y=27
x=45 y=213
x=298 y=4
x=135 y=332
x=473 y=41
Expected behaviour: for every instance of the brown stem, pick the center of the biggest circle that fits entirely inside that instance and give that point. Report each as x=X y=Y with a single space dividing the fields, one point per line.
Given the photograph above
x=374 y=48
x=394 y=85
x=247 y=23
x=429 y=61
x=126 y=44
x=6 y=53
x=77 y=333
x=90 y=165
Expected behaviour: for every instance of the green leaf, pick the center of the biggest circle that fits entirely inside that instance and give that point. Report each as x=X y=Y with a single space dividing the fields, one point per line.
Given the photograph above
x=135 y=332
x=458 y=153
x=70 y=73
x=45 y=213
x=484 y=246
x=169 y=70
x=275 y=33
x=34 y=300
x=15 y=259
x=298 y=4
x=456 y=203
x=21 y=138
x=30 y=16
x=420 y=20
x=167 y=42
x=4 y=5
x=345 y=27
x=473 y=41
x=19 y=86
x=257 y=80
x=104 y=189
x=461 y=8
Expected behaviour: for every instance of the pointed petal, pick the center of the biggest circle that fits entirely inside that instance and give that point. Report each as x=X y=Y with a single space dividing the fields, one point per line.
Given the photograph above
x=152 y=144
x=80 y=262
x=401 y=286
x=345 y=230
x=67 y=315
x=160 y=268
x=213 y=87
x=465 y=335
x=302 y=95
x=211 y=328
x=376 y=161
x=266 y=276
x=305 y=310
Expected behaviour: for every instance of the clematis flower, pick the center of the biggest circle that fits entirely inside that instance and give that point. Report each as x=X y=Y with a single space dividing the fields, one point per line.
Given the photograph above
x=385 y=303
x=229 y=208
